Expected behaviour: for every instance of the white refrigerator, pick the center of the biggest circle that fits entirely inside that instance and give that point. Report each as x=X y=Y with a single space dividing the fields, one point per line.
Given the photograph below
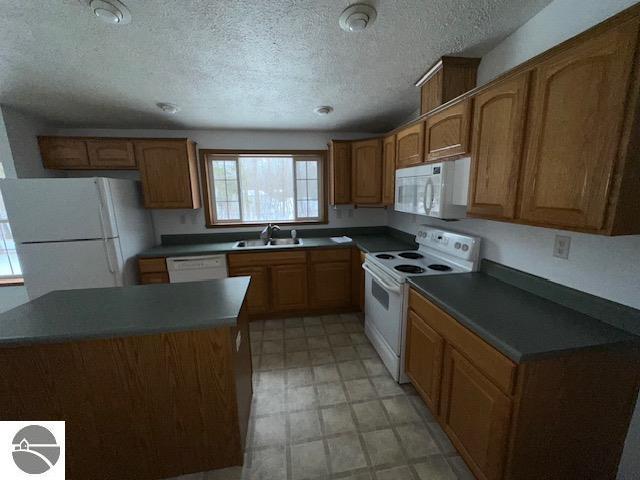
x=77 y=232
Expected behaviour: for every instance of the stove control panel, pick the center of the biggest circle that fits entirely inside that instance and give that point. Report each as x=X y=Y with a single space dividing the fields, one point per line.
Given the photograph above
x=455 y=244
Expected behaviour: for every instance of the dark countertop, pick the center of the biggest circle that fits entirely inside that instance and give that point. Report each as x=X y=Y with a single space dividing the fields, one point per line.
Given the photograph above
x=521 y=325
x=68 y=315
x=367 y=243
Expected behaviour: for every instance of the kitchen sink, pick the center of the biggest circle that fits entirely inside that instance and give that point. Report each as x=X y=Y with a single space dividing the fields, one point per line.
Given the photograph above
x=274 y=242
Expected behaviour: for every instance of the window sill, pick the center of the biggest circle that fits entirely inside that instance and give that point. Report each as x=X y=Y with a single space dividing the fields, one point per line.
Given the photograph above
x=11 y=282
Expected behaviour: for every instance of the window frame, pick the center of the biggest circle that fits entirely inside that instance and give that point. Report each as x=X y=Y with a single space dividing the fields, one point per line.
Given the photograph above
x=208 y=191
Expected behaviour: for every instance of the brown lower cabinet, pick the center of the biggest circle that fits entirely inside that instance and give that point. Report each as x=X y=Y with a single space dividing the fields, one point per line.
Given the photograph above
x=564 y=417
x=152 y=270
x=296 y=281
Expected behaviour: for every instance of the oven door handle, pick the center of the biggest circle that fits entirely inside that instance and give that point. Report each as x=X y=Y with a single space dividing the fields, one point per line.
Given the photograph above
x=386 y=286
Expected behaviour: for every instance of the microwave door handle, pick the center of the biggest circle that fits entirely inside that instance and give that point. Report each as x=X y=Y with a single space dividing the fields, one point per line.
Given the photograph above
x=386 y=286
x=428 y=194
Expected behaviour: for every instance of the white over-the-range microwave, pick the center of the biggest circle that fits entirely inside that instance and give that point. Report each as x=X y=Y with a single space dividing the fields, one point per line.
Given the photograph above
x=436 y=190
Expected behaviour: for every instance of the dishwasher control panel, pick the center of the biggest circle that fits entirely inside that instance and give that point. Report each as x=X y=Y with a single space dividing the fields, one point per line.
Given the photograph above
x=196 y=268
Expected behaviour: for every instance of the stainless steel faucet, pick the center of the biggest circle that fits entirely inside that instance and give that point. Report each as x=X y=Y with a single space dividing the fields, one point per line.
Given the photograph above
x=267 y=232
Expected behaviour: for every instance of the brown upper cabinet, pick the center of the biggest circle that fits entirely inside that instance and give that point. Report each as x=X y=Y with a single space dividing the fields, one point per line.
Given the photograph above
x=78 y=153
x=449 y=78
x=339 y=172
x=498 y=134
x=366 y=171
x=581 y=169
x=388 y=169
x=410 y=145
x=111 y=154
x=447 y=131
x=62 y=153
x=168 y=171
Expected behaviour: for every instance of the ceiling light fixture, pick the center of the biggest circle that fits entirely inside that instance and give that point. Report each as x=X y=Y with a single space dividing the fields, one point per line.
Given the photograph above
x=357 y=17
x=169 y=108
x=112 y=12
x=323 y=110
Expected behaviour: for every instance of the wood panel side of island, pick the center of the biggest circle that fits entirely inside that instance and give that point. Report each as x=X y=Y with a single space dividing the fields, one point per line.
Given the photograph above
x=144 y=407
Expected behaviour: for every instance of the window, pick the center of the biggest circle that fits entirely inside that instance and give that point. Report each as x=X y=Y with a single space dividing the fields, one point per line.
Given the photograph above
x=260 y=187
x=9 y=264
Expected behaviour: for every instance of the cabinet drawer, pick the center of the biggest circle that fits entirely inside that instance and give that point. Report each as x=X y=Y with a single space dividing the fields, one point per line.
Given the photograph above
x=332 y=255
x=152 y=265
x=267 y=258
x=157 y=277
x=493 y=364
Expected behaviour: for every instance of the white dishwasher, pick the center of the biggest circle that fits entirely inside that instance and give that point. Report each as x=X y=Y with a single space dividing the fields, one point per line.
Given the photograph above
x=194 y=269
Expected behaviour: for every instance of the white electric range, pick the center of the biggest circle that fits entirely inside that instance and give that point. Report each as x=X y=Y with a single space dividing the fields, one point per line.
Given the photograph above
x=387 y=292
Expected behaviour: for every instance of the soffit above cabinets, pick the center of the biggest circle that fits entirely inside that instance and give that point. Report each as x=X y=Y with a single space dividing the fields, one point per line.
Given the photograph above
x=260 y=65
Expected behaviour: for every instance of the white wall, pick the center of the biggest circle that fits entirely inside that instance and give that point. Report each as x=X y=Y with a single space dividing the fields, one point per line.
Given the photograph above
x=192 y=221
x=607 y=267
x=12 y=297
x=22 y=131
x=557 y=22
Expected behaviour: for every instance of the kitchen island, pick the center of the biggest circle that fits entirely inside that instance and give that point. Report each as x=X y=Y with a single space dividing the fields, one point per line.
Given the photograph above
x=153 y=381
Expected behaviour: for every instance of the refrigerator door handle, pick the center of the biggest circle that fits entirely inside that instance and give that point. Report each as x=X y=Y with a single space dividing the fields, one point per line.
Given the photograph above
x=104 y=233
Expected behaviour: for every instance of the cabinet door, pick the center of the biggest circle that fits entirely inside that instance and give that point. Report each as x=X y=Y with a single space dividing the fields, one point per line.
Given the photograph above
x=410 y=145
x=330 y=284
x=288 y=287
x=366 y=184
x=168 y=173
x=340 y=172
x=109 y=153
x=498 y=133
x=63 y=153
x=423 y=359
x=258 y=294
x=575 y=124
x=475 y=414
x=388 y=169
x=447 y=133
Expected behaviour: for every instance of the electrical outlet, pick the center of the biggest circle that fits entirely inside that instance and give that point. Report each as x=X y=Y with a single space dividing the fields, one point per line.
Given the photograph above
x=561 y=246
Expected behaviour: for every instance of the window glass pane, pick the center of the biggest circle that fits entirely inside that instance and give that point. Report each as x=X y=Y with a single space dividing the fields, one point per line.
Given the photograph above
x=312 y=170
x=312 y=209
x=230 y=170
x=220 y=187
x=312 y=189
x=3 y=212
x=218 y=169
x=302 y=209
x=232 y=191
x=222 y=213
x=8 y=236
x=266 y=186
x=301 y=170
x=234 y=210
x=301 y=189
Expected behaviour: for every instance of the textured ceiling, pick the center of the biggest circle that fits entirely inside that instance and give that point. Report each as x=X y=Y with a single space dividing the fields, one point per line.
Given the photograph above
x=236 y=64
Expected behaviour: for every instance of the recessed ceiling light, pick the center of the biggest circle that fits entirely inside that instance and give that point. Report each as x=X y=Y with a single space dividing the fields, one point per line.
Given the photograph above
x=112 y=12
x=169 y=108
x=323 y=110
x=357 y=17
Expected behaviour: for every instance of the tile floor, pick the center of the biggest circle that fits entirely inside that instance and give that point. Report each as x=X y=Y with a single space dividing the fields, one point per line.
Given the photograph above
x=325 y=407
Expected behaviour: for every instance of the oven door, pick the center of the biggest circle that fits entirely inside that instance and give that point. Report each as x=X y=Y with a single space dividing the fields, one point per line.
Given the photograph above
x=384 y=312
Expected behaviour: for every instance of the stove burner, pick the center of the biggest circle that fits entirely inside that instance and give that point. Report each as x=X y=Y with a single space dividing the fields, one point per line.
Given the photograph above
x=411 y=255
x=385 y=256
x=409 y=268
x=440 y=268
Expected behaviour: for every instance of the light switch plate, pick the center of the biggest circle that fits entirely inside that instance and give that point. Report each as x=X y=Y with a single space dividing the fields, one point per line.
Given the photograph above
x=561 y=246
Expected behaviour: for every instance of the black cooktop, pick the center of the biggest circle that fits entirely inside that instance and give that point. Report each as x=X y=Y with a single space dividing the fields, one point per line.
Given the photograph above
x=411 y=255
x=409 y=269
x=440 y=268
x=385 y=256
